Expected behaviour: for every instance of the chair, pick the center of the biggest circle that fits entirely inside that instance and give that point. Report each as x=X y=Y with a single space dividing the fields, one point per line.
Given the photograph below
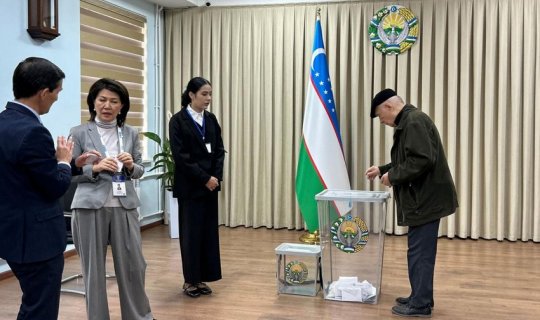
x=66 y=200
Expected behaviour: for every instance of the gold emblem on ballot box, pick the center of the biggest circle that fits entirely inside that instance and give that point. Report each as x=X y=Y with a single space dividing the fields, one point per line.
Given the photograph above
x=349 y=234
x=296 y=272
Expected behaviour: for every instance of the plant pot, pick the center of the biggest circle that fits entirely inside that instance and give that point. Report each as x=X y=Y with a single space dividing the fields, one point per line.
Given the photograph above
x=171 y=214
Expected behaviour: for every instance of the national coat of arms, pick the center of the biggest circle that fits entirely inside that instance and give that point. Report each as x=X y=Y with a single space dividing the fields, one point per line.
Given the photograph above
x=296 y=272
x=393 y=29
x=349 y=234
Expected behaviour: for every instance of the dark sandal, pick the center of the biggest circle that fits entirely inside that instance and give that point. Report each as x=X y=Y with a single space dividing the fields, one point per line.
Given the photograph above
x=191 y=290
x=203 y=288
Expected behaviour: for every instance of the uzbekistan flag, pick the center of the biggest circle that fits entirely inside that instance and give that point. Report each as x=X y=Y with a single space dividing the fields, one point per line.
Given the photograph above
x=321 y=163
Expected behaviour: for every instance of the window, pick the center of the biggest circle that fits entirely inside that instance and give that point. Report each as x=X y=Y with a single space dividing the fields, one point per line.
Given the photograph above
x=113 y=46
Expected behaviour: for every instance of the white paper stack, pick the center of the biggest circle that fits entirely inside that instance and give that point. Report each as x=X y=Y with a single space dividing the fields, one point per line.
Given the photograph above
x=349 y=289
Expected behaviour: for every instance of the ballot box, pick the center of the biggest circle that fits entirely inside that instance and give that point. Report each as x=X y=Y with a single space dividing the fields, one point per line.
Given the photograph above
x=351 y=229
x=298 y=269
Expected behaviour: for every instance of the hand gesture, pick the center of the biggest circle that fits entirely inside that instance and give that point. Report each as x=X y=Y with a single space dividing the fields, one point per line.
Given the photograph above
x=64 y=149
x=89 y=157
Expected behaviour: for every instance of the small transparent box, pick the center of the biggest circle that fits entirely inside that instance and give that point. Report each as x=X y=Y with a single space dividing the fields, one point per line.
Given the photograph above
x=298 y=269
x=351 y=228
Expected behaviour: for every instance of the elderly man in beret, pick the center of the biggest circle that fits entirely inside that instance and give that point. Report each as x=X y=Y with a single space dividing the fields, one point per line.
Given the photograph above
x=423 y=190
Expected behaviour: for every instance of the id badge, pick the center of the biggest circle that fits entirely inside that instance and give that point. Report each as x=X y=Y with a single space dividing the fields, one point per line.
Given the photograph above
x=208 y=147
x=119 y=185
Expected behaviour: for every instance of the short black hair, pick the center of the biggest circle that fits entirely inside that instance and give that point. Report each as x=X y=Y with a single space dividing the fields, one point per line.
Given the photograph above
x=34 y=74
x=114 y=86
x=194 y=85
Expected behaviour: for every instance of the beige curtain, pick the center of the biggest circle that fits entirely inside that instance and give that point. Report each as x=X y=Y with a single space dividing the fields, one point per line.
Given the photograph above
x=475 y=70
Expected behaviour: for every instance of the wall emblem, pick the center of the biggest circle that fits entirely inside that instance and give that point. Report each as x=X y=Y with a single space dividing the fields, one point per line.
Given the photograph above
x=349 y=234
x=393 y=29
x=296 y=272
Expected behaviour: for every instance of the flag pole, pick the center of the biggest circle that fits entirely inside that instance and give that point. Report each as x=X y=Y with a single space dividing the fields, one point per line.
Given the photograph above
x=312 y=237
x=321 y=162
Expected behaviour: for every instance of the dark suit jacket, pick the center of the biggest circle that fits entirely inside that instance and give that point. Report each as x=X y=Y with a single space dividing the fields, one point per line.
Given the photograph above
x=423 y=186
x=32 y=225
x=194 y=164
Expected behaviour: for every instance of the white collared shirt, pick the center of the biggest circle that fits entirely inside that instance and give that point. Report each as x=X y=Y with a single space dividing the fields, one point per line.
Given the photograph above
x=27 y=107
x=198 y=117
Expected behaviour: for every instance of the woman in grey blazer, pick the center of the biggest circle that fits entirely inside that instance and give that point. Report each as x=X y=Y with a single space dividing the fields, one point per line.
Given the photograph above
x=105 y=203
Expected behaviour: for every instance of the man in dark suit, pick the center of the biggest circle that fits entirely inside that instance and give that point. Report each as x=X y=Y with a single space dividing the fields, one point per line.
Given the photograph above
x=34 y=176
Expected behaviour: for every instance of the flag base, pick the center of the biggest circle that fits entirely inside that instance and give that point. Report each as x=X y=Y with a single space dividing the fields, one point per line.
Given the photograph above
x=310 y=238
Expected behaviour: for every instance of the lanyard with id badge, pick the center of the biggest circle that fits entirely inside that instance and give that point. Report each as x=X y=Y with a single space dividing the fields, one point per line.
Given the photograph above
x=118 y=178
x=119 y=184
x=202 y=131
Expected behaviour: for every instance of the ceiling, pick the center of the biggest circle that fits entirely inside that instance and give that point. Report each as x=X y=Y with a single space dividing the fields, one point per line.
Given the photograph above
x=221 y=3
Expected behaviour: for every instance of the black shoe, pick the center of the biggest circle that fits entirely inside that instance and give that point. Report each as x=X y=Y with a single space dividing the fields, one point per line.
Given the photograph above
x=407 y=311
x=191 y=290
x=403 y=301
x=203 y=288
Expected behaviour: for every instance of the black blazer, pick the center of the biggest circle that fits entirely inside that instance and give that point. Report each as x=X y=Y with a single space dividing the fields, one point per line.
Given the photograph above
x=32 y=225
x=194 y=165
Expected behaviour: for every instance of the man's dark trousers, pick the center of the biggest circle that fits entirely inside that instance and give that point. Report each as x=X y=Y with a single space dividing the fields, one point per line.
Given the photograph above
x=40 y=284
x=422 y=241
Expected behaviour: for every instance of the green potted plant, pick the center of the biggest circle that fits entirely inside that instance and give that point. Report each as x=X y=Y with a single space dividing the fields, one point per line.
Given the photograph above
x=163 y=160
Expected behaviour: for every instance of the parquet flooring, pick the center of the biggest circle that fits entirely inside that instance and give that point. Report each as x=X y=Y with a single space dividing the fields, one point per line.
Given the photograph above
x=474 y=279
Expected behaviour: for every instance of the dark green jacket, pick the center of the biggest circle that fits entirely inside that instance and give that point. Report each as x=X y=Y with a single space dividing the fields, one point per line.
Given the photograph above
x=423 y=187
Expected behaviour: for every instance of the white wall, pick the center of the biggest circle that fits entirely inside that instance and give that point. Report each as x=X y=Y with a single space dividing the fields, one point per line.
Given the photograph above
x=64 y=51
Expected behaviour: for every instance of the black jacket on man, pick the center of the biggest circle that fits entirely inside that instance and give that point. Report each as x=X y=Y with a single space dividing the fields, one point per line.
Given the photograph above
x=423 y=187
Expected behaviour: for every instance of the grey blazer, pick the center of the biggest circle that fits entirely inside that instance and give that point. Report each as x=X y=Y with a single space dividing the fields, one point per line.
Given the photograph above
x=93 y=190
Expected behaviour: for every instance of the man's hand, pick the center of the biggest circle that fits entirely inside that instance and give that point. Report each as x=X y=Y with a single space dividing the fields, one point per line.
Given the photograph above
x=64 y=149
x=385 y=179
x=372 y=173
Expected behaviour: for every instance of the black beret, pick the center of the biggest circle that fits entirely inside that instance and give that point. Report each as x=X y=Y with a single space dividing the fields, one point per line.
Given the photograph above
x=380 y=98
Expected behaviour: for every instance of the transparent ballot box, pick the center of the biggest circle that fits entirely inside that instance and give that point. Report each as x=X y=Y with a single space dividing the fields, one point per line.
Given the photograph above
x=298 y=268
x=351 y=227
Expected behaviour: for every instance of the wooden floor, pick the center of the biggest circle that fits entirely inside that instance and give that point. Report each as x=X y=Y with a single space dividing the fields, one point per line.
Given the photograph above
x=474 y=280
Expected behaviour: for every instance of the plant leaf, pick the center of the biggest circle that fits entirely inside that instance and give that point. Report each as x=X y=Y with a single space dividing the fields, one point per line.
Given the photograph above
x=152 y=136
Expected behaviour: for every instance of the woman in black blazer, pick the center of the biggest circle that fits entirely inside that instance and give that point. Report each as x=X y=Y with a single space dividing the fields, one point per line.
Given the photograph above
x=198 y=154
